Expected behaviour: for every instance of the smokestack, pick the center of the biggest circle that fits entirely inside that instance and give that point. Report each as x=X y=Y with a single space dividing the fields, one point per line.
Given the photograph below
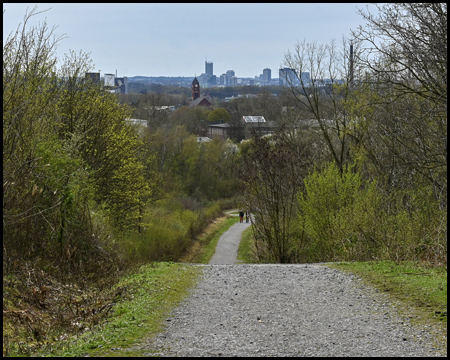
x=351 y=65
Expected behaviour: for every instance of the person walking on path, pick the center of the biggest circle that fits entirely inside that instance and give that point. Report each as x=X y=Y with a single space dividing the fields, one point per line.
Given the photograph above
x=241 y=217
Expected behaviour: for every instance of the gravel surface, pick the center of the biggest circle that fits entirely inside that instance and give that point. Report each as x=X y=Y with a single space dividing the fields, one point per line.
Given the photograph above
x=286 y=310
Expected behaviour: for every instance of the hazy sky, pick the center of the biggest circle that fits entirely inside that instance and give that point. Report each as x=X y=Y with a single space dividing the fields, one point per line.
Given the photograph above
x=176 y=39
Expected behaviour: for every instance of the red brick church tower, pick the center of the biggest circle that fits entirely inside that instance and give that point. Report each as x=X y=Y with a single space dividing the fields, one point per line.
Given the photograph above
x=195 y=89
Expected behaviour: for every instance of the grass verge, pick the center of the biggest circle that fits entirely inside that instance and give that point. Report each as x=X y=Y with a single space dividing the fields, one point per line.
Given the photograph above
x=420 y=291
x=204 y=246
x=246 y=250
x=146 y=298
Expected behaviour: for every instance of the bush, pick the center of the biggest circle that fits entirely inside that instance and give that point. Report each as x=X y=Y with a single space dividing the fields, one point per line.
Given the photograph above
x=344 y=218
x=337 y=216
x=168 y=232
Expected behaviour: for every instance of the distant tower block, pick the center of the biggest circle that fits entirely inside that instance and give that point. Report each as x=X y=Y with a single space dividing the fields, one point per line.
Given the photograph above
x=208 y=68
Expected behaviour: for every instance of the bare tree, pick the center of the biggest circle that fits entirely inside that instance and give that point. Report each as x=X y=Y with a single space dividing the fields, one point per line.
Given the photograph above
x=319 y=90
x=273 y=168
x=404 y=56
x=405 y=45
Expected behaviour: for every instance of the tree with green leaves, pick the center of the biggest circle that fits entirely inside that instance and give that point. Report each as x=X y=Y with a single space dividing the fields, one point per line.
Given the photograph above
x=219 y=115
x=68 y=153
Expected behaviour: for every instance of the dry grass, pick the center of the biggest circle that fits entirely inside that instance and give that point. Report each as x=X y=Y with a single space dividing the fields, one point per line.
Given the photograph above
x=195 y=250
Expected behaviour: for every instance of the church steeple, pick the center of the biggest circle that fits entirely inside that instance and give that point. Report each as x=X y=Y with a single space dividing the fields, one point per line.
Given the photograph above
x=195 y=89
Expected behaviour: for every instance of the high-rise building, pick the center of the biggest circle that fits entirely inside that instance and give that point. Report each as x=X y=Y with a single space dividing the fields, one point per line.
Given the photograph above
x=267 y=75
x=212 y=80
x=223 y=80
x=208 y=68
x=306 y=78
x=287 y=77
x=109 y=80
x=230 y=74
x=121 y=84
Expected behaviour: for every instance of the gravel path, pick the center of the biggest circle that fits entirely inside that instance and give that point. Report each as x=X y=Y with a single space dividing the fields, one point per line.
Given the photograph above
x=284 y=310
x=227 y=246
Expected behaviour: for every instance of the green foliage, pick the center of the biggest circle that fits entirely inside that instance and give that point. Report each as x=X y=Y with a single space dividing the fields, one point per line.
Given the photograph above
x=346 y=218
x=272 y=170
x=203 y=171
x=247 y=251
x=169 y=229
x=219 y=114
x=68 y=154
x=144 y=300
x=338 y=214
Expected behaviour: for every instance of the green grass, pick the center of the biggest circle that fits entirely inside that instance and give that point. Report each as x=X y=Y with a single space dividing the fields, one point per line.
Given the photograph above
x=148 y=297
x=421 y=290
x=246 y=250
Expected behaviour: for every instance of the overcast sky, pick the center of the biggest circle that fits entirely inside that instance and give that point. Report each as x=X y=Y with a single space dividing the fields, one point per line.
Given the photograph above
x=176 y=39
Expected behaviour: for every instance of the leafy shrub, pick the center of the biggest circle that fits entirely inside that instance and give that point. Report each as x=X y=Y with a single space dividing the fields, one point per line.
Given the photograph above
x=344 y=218
x=337 y=215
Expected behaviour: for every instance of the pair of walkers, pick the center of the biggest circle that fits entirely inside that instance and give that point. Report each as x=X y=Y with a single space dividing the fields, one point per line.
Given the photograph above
x=241 y=217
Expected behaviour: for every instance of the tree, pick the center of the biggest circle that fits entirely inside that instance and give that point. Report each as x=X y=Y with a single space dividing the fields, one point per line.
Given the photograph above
x=67 y=151
x=190 y=117
x=403 y=60
x=318 y=89
x=219 y=115
x=30 y=96
x=272 y=172
x=406 y=46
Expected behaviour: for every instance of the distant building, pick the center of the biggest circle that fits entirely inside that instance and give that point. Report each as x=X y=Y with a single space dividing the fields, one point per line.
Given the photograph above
x=223 y=80
x=208 y=68
x=248 y=127
x=212 y=80
x=204 y=100
x=218 y=130
x=197 y=99
x=121 y=85
x=287 y=77
x=109 y=80
x=306 y=78
x=253 y=119
x=94 y=77
x=229 y=75
x=266 y=75
x=195 y=89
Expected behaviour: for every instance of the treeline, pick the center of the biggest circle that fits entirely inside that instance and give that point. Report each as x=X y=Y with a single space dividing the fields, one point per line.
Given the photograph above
x=369 y=181
x=364 y=177
x=85 y=193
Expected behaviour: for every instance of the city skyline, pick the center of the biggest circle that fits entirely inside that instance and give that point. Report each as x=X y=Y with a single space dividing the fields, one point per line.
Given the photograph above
x=176 y=39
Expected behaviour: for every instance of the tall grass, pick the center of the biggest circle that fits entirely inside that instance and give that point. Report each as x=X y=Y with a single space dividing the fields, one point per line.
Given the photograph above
x=170 y=229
